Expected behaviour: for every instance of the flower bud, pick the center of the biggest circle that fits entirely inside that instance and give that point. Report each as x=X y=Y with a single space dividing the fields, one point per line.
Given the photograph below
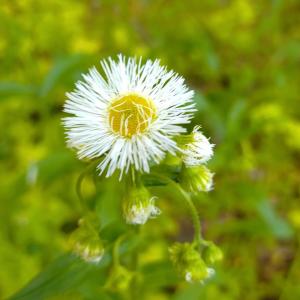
x=189 y=263
x=212 y=254
x=196 y=179
x=196 y=148
x=87 y=244
x=199 y=273
x=139 y=206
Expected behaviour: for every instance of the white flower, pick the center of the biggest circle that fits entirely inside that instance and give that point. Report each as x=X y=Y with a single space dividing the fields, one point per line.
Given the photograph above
x=199 y=150
x=129 y=116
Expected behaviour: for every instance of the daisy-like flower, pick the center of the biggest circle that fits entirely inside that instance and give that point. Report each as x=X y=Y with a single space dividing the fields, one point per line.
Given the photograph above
x=198 y=150
x=129 y=116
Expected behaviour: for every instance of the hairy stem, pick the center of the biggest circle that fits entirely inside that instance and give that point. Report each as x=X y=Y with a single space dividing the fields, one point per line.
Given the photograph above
x=80 y=179
x=116 y=249
x=193 y=211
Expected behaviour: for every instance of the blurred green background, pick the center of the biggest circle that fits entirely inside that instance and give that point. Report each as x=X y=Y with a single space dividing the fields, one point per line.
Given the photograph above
x=242 y=57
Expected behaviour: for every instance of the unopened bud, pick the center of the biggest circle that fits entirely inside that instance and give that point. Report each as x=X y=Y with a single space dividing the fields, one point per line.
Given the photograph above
x=196 y=148
x=196 y=179
x=139 y=206
x=212 y=254
x=87 y=244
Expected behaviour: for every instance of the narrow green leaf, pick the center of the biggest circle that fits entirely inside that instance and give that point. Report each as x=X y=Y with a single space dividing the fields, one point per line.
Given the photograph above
x=159 y=274
x=8 y=89
x=66 y=272
x=56 y=165
x=57 y=72
x=278 y=226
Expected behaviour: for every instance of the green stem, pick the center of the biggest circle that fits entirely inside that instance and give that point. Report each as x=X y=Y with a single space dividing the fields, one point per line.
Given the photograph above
x=80 y=179
x=198 y=239
x=116 y=249
x=135 y=290
x=133 y=177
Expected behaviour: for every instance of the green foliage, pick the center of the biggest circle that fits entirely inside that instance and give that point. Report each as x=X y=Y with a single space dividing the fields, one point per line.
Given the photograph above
x=242 y=58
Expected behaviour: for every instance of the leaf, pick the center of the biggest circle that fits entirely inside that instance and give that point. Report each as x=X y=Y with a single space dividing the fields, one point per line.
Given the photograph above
x=201 y=101
x=56 y=165
x=165 y=170
x=56 y=73
x=279 y=227
x=63 y=274
x=235 y=117
x=149 y=180
x=13 y=88
x=159 y=274
x=69 y=273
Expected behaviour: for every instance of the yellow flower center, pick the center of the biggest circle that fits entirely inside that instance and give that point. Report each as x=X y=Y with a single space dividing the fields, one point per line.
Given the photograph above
x=131 y=114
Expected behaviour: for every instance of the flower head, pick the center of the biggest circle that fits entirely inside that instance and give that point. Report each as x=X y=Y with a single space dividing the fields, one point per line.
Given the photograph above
x=196 y=179
x=129 y=116
x=197 y=150
x=189 y=263
x=139 y=206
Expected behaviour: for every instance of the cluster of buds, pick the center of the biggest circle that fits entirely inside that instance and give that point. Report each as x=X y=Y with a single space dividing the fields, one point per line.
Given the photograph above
x=86 y=243
x=191 y=265
x=196 y=149
x=195 y=177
